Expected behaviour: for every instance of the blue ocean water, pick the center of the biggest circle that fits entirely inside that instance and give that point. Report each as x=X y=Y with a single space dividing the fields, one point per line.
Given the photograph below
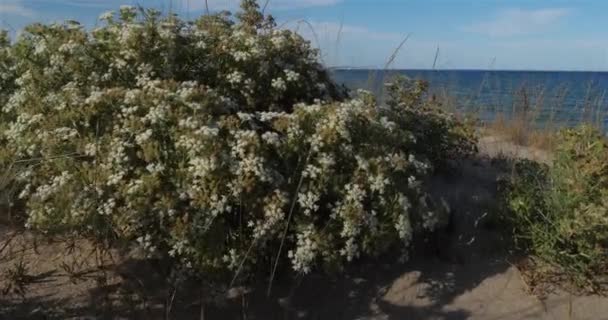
x=559 y=97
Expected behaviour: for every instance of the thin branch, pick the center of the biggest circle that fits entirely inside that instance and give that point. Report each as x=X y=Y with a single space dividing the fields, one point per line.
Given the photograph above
x=315 y=36
x=391 y=59
x=293 y=205
x=170 y=304
x=8 y=241
x=436 y=57
x=255 y=241
x=396 y=52
x=68 y=155
x=265 y=6
x=238 y=270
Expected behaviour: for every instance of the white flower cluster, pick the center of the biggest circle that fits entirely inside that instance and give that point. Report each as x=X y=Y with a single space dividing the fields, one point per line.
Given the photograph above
x=303 y=256
x=292 y=76
x=273 y=214
x=309 y=202
x=403 y=224
x=279 y=84
x=352 y=213
x=44 y=191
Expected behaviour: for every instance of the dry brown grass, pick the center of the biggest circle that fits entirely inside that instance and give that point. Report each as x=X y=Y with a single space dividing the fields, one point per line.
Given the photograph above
x=521 y=131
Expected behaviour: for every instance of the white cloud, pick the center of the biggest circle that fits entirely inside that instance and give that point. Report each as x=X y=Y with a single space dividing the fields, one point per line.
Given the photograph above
x=15 y=8
x=518 y=22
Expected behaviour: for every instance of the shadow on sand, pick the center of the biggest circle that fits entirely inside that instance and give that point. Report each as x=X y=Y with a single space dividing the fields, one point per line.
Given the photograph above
x=442 y=271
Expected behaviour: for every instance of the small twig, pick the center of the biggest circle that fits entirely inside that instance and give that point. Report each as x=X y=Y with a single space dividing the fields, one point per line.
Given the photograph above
x=238 y=270
x=170 y=304
x=202 y=315
x=265 y=5
x=436 y=58
x=391 y=59
x=396 y=52
x=314 y=34
x=8 y=241
x=68 y=155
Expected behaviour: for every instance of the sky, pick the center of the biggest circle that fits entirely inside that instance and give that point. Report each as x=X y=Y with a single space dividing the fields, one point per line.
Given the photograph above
x=473 y=34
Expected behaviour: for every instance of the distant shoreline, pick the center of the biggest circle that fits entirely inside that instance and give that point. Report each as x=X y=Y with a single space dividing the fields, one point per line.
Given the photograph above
x=464 y=70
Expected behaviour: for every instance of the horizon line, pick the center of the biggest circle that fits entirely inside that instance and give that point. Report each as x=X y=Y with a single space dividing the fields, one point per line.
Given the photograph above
x=464 y=69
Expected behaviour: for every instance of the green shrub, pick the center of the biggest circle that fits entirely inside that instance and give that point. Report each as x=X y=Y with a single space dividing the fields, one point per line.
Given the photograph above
x=560 y=212
x=217 y=142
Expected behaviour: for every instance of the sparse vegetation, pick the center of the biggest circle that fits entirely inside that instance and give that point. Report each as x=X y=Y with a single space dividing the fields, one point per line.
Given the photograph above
x=17 y=279
x=559 y=212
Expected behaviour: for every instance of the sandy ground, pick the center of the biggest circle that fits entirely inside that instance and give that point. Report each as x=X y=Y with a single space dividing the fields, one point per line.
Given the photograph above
x=497 y=146
x=467 y=274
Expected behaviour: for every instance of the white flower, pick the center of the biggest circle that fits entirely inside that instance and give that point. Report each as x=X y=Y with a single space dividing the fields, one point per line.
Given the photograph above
x=326 y=161
x=143 y=137
x=271 y=138
x=90 y=149
x=279 y=84
x=69 y=47
x=134 y=186
x=378 y=183
x=404 y=228
x=269 y=116
x=201 y=45
x=127 y=9
x=273 y=214
x=245 y=116
x=420 y=166
x=350 y=250
x=178 y=248
x=189 y=123
x=389 y=125
x=231 y=259
x=65 y=133
x=278 y=40
x=40 y=47
x=306 y=251
x=291 y=76
x=106 y=16
x=155 y=168
x=241 y=56
x=352 y=215
x=235 y=77
x=108 y=207
x=25 y=192
x=430 y=220
x=200 y=167
x=312 y=171
x=412 y=182
x=115 y=178
x=146 y=242
x=156 y=114
x=308 y=201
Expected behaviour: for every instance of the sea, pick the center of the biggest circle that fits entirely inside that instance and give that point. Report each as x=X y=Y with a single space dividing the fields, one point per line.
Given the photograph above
x=563 y=98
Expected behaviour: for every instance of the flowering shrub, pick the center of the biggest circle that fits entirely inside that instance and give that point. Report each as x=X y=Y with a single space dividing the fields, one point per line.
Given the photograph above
x=559 y=212
x=216 y=142
x=442 y=134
